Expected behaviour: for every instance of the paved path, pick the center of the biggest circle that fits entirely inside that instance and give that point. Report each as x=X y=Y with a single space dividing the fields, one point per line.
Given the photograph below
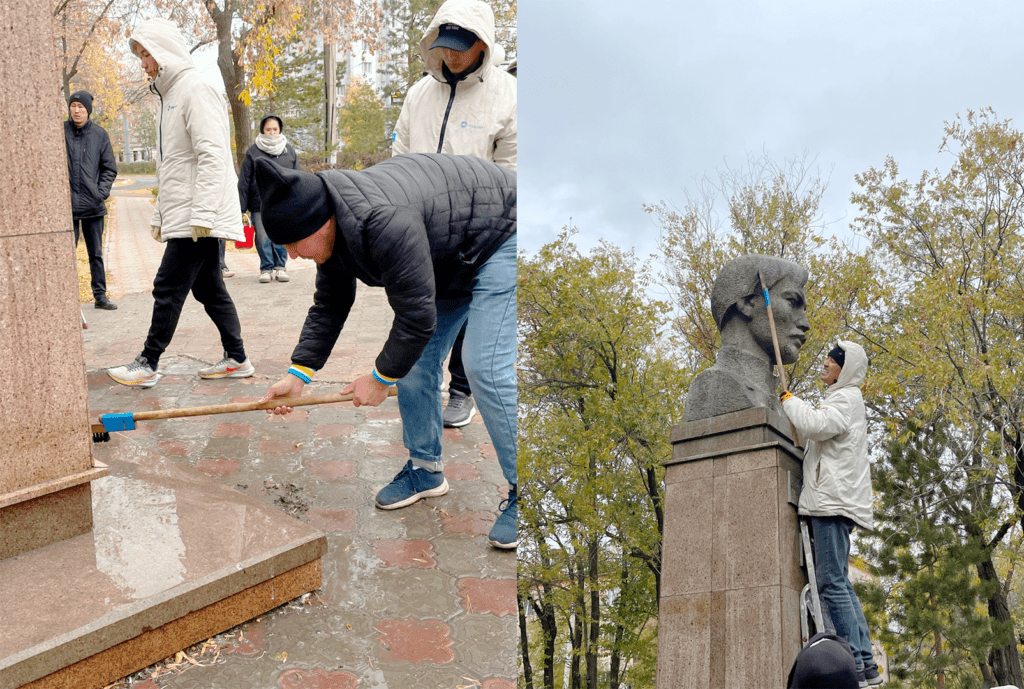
x=411 y=599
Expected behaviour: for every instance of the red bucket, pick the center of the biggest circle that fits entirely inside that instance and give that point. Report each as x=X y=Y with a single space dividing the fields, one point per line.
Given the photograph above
x=250 y=232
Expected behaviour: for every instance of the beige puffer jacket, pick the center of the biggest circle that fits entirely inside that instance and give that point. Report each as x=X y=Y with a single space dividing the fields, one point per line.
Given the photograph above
x=482 y=119
x=837 y=473
x=195 y=171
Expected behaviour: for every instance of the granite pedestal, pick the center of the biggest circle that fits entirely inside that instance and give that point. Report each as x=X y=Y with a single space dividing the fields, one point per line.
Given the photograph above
x=731 y=574
x=45 y=462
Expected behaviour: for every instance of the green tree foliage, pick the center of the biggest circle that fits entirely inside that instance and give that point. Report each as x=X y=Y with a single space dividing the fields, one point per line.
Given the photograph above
x=951 y=332
x=598 y=393
x=926 y=609
x=362 y=122
x=407 y=22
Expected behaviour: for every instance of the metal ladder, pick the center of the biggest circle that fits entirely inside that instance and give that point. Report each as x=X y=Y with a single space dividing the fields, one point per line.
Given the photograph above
x=810 y=605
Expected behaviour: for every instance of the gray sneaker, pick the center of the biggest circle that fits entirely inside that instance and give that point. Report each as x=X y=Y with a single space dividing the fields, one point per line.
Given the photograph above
x=228 y=368
x=459 y=411
x=137 y=374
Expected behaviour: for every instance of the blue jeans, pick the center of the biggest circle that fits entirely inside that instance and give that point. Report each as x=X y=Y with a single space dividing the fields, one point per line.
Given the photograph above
x=838 y=599
x=271 y=255
x=489 y=355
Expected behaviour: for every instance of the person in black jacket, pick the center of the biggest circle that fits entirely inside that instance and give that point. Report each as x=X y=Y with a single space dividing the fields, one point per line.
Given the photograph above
x=91 y=171
x=270 y=143
x=438 y=232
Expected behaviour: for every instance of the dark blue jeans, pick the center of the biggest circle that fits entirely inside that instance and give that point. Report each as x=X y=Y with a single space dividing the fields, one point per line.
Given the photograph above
x=272 y=256
x=838 y=599
x=191 y=266
x=490 y=357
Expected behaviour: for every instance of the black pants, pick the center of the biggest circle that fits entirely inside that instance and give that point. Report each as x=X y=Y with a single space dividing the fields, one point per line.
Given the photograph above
x=92 y=230
x=189 y=265
x=459 y=381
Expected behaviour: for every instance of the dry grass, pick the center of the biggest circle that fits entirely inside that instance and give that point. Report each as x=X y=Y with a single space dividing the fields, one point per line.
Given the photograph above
x=84 y=276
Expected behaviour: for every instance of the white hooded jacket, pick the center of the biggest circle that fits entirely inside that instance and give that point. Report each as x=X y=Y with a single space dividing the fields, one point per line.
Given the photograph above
x=195 y=172
x=837 y=473
x=476 y=116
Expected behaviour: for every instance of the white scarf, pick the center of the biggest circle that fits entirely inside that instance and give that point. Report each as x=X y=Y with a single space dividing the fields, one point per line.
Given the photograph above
x=271 y=144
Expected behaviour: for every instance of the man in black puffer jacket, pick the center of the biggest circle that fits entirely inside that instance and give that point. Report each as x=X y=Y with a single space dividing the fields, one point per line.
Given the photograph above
x=438 y=232
x=91 y=170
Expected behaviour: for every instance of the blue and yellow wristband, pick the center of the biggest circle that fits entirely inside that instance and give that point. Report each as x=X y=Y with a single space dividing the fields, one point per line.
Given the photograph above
x=786 y=394
x=303 y=373
x=382 y=379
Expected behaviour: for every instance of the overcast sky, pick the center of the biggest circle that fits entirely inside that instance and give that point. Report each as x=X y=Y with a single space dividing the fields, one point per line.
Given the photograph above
x=620 y=107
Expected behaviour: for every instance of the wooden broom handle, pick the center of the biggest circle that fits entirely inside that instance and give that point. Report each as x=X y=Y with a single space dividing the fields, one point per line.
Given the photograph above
x=247 y=406
x=778 y=353
x=775 y=338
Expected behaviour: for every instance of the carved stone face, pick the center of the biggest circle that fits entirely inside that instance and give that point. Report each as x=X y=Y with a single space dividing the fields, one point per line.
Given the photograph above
x=791 y=326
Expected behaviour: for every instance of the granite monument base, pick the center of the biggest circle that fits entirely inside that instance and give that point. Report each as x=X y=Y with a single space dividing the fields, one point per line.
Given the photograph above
x=731 y=575
x=174 y=557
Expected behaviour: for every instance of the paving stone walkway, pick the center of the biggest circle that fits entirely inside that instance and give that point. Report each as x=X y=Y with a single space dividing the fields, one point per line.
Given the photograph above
x=414 y=598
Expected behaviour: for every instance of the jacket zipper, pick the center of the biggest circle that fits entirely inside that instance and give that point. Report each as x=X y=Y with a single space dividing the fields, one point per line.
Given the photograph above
x=444 y=123
x=160 y=129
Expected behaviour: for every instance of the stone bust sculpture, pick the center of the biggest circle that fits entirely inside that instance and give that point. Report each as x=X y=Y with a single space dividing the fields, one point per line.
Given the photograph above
x=742 y=375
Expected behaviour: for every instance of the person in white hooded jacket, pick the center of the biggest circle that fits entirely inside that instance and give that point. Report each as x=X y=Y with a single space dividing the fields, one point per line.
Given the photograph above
x=197 y=205
x=467 y=111
x=836 y=495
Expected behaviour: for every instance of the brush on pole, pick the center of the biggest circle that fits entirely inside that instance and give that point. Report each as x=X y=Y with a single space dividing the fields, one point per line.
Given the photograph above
x=775 y=343
x=126 y=421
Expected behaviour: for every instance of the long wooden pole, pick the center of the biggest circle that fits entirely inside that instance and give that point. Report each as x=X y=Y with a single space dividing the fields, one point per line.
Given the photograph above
x=778 y=353
x=239 y=407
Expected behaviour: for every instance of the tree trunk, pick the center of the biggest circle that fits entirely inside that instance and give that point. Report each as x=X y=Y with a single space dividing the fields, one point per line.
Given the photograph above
x=524 y=643
x=1005 y=660
x=575 y=678
x=549 y=624
x=330 y=99
x=229 y=62
x=616 y=659
x=595 y=615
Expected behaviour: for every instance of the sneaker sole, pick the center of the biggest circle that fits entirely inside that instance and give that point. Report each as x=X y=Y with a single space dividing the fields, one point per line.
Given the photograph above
x=460 y=424
x=432 y=493
x=505 y=546
x=283 y=280
x=232 y=374
x=137 y=383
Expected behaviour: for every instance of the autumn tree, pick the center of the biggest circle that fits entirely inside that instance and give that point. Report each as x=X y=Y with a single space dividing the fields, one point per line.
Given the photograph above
x=90 y=36
x=951 y=337
x=597 y=396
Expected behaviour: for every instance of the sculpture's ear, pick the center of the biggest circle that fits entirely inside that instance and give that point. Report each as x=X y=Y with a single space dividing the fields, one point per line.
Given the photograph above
x=746 y=306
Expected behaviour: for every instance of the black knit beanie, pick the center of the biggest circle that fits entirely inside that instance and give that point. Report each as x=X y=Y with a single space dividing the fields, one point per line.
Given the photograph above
x=295 y=203
x=83 y=97
x=838 y=355
x=263 y=122
x=826 y=662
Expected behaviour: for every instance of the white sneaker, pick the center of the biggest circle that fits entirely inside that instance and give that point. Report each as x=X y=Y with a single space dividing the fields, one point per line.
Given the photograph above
x=281 y=275
x=137 y=374
x=228 y=368
x=227 y=272
x=265 y=277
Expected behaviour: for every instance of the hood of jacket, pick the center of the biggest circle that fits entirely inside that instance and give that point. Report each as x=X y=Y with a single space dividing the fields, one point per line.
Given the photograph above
x=475 y=15
x=163 y=40
x=855 y=369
